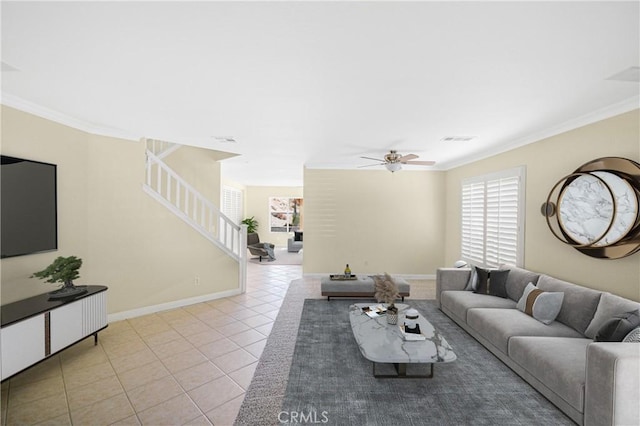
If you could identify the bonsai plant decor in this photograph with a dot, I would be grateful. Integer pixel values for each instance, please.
(63, 270)
(387, 292)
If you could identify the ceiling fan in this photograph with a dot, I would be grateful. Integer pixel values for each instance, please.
(393, 161)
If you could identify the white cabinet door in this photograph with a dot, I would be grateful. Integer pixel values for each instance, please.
(22, 345)
(66, 326)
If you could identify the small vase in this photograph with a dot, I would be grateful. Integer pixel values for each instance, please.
(392, 315)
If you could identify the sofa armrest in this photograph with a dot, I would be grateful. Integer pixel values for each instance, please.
(451, 279)
(612, 387)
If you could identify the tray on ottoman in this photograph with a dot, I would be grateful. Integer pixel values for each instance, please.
(362, 286)
(342, 277)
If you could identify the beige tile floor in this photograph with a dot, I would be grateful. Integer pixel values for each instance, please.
(187, 366)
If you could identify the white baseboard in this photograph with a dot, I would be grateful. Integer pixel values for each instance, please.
(405, 276)
(118, 316)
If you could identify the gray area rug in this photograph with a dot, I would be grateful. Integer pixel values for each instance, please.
(330, 379)
(263, 400)
(326, 379)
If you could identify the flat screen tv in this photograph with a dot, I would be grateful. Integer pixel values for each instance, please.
(28, 207)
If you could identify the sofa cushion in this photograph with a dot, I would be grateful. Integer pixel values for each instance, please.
(542, 305)
(499, 325)
(579, 304)
(517, 280)
(557, 362)
(459, 302)
(617, 328)
(609, 306)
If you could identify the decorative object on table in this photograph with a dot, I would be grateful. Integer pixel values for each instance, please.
(409, 336)
(252, 224)
(460, 264)
(342, 277)
(63, 270)
(596, 209)
(374, 311)
(387, 292)
(411, 321)
(347, 271)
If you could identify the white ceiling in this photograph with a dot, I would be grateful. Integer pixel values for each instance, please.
(319, 84)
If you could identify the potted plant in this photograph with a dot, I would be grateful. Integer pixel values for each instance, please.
(252, 224)
(387, 292)
(63, 270)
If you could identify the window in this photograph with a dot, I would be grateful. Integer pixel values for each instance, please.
(493, 218)
(285, 214)
(232, 204)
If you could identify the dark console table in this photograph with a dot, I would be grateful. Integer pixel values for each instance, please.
(36, 328)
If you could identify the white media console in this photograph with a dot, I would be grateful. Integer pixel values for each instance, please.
(33, 329)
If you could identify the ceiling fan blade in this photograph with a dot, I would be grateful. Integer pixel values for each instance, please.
(407, 157)
(374, 159)
(371, 165)
(420, 163)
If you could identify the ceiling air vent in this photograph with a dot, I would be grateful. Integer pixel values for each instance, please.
(224, 139)
(457, 138)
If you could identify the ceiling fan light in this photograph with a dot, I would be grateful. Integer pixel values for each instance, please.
(393, 167)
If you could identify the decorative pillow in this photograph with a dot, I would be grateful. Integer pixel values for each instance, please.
(542, 305)
(483, 280)
(498, 282)
(633, 336)
(609, 306)
(617, 328)
(472, 284)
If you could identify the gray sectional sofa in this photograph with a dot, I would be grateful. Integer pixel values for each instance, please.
(594, 383)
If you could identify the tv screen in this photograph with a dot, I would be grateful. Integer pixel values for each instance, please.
(28, 207)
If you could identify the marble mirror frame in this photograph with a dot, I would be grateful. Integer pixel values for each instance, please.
(598, 208)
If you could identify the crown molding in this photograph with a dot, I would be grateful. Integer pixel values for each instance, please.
(60, 118)
(618, 108)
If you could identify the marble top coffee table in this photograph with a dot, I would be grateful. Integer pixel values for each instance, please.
(383, 343)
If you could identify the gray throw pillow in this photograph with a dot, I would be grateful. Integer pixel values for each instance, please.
(541, 305)
(498, 282)
(483, 280)
(617, 328)
(633, 336)
(472, 284)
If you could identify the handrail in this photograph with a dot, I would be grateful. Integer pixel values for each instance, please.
(160, 148)
(169, 188)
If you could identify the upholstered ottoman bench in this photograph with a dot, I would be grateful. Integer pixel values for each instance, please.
(362, 286)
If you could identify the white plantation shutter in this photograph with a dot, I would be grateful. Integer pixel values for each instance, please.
(473, 222)
(493, 219)
(232, 204)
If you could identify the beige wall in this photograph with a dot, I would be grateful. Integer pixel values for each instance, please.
(36, 139)
(546, 162)
(128, 242)
(257, 205)
(374, 220)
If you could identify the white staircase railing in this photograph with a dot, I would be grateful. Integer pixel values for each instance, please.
(171, 190)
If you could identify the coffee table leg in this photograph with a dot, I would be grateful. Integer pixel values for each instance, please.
(401, 369)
